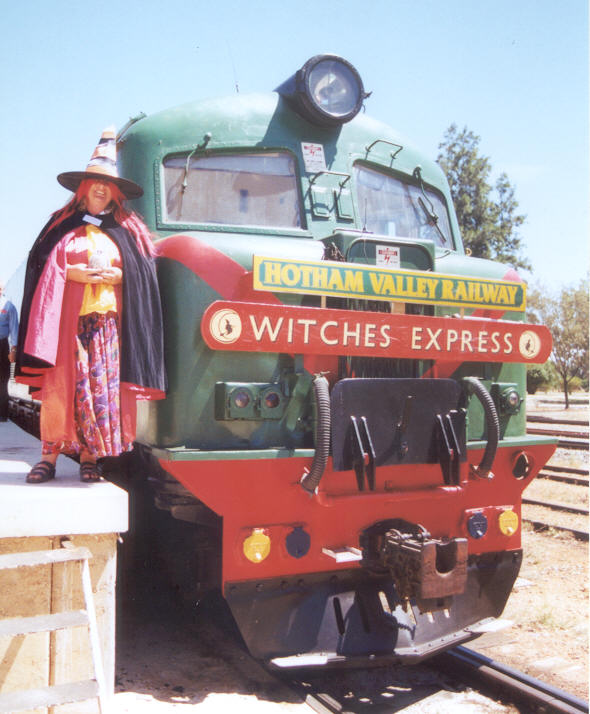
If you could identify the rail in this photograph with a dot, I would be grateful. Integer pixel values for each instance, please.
(518, 686)
(542, 526)
(564, 477)
(553, 420)
(556, 506)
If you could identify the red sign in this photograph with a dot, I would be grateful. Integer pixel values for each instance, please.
(258, 327)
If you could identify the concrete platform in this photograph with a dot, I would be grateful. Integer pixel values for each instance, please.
(58, 507)
(40, 517)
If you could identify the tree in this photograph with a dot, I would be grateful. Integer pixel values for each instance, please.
(487, 216)
(566, 316)
(538, 375)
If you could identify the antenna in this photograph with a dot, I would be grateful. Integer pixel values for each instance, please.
(233, 67)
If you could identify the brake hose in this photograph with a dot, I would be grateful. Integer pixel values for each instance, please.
(474, 386)
(311, 479)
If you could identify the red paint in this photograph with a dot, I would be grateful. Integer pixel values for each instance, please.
(266, 493)
(217, 269)
(229, 279)
(256, 327)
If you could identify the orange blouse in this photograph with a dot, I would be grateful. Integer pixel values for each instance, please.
(101, 253)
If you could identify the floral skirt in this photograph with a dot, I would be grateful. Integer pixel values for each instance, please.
(97, 394)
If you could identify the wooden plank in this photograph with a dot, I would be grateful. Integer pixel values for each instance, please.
(48, 696)
(42, 623)
(94, 637)
(43, 557)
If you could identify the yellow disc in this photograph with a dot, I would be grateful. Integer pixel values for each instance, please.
(508, 522)
(257, 546)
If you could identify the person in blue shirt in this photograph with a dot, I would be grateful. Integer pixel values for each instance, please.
(8, 337)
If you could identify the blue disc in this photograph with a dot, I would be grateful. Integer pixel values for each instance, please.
(298, 542)
(477, 525)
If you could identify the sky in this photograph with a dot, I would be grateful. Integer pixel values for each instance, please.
(515, 72)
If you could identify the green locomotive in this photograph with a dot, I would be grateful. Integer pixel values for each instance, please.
(344, 433)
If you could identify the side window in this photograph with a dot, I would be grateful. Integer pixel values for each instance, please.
(392, 207)
(232, 189)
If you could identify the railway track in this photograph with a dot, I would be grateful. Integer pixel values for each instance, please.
(560, 427)
(556, 506)
(565, 474)
(566, 470)
(552, 420)
(385, 692)
(516, 686)
(206, 657)
(565, 439)
(558, 432)
(543, 526)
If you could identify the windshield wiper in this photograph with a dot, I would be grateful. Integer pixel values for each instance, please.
(431, 215)
(428, 211)
(199, 147)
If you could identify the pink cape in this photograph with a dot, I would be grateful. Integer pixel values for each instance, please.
(51, 336)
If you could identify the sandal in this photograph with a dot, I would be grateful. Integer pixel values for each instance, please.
(41, 472)
(89, 472)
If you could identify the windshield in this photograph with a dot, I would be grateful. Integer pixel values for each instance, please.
(391, 207)
(234, 189)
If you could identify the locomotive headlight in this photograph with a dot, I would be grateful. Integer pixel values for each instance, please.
(327, 91)
(334, 87)
(241, 398)
(271, 403)
(272, 400)
(511, 401)
(250, 400)
(506, 397)
(241, 402)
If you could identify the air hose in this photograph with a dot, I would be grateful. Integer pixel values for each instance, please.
(311, 479)
(474, 386)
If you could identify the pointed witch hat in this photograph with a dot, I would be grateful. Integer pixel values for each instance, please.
(103, 164)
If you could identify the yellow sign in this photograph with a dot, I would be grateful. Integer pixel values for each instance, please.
(368, 282)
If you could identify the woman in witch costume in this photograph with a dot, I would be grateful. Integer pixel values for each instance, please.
(90, 337)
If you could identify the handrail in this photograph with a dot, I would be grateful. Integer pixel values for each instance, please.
(393, 154)
(325, 172)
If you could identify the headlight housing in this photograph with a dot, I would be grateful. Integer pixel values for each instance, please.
(327, 91)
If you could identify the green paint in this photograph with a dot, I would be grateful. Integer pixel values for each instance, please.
(246, 123)
(253, 454)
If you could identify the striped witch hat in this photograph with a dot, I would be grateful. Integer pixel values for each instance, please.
(103, 164)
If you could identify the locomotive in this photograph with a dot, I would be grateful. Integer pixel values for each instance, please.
(343, 442)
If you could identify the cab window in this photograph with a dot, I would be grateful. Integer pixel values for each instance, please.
(392, 207)
(232, 189)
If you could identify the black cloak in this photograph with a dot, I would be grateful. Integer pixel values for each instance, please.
(142, 337)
